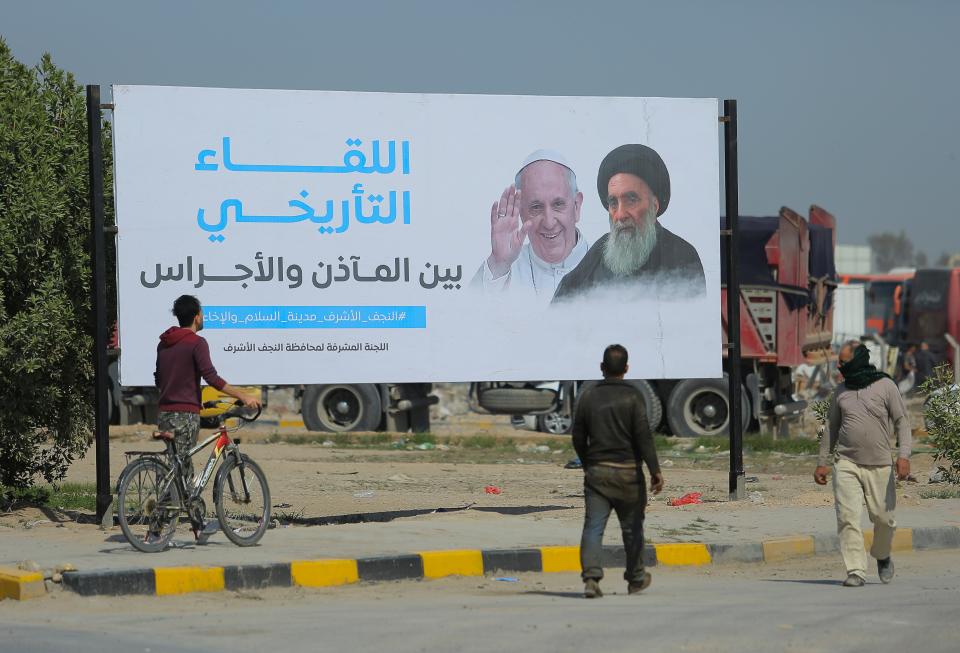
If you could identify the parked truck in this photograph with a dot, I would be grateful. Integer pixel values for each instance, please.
(928, 311)
(787, 278)
(337, 407)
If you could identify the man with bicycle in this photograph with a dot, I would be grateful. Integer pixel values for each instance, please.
(183, 357)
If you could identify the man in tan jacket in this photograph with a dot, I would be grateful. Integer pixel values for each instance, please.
(866, 411)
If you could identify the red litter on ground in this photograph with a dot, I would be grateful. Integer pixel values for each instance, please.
(687, 499)
(492, 489)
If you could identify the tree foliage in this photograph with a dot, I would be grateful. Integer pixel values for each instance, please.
(891, 250)
(46, 366)
(941, 415)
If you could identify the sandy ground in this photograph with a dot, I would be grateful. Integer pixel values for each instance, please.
(317, 480)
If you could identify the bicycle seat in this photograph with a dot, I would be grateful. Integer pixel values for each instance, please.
(163, 435)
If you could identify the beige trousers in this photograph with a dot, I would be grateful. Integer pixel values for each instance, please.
(854, 485)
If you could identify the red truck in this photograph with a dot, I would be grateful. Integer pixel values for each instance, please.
(787, 275)
(929, 311)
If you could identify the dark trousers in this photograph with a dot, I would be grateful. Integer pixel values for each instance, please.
(623, 490)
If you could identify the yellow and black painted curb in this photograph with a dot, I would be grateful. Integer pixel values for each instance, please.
(21, 585)
(438, 564)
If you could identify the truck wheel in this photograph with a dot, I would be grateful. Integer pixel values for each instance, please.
(555, 423)
(650, 398)
(516, 401)
(340, 407)
(700, 407)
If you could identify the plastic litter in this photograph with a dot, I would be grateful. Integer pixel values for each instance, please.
(939, 475)
(687, 499)
(426, 446)
(366, 494)
(543, 449)
(492, 489)
(751, 479)
(666, 463)
(507, 579)
(574, 464)
(755, 497)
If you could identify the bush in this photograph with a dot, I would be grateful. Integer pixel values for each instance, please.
(46, 367)
(941, 414)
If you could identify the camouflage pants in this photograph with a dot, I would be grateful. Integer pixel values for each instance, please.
(186, 427)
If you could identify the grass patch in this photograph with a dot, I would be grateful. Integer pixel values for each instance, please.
(67, 496)
(751, 443)
(941, 493)
(485, 442)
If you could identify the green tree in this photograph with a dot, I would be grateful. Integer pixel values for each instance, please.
(941, 417)
(891, 250)
(46, 367)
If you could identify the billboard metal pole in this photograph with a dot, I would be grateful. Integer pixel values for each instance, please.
(737, 479)
(98, 292)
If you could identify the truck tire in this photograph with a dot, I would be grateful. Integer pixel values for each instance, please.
(700, 407)
(341, 407)
(555, 423)
(517, 401)
(650, 398)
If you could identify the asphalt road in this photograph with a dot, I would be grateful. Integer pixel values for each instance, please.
(797, 606)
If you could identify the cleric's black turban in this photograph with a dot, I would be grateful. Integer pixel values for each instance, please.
(639, 160)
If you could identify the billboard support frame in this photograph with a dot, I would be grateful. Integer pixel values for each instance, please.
(734, 375)
(98, 297)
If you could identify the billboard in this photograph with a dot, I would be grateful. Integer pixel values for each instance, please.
(380, 237)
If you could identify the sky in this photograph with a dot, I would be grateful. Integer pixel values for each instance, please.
(850, 105)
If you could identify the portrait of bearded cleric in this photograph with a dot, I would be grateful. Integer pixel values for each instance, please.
(638, 256)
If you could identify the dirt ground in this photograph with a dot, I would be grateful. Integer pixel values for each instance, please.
(316, 480)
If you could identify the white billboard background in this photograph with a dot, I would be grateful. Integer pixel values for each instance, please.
(463, 151)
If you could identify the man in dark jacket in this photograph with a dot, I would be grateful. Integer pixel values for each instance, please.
(639, 256)
(183, 358)
(612, 437)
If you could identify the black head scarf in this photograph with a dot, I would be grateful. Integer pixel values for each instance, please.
(859, 372)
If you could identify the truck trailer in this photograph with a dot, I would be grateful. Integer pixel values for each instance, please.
(787, 282)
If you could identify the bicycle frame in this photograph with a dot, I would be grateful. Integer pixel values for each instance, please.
(223, 445)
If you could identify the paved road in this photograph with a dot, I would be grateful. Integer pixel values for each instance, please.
(796, 606)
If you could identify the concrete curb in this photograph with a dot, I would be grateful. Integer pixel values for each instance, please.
(20, 585)
(438, 564)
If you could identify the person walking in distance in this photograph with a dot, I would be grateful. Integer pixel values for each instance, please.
(866, 410)
(612, 437)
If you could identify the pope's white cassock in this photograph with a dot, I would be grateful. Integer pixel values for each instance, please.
(531, 278)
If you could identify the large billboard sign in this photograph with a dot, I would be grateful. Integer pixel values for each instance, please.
(378, 237)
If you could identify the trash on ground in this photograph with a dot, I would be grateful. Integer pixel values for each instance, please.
(574, 464)
(543, 449)
(426, 446)
(366, 494)
(327, 443)
(687, 499)
(777, 477)
(751, 479)
(400, 478)
(282, 505)
(507, 579)
(755, 497)
(939, 475)
(492, 489)
(666, 463)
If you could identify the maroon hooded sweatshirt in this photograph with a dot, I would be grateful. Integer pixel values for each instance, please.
(182, 358)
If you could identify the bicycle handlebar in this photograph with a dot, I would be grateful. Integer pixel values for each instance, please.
(236, 409)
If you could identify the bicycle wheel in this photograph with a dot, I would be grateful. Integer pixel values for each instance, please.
(242, 500)
(148, 505)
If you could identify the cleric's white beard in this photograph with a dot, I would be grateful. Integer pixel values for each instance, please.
(626, 251)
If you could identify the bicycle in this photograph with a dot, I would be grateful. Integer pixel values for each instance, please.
(151, 489)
